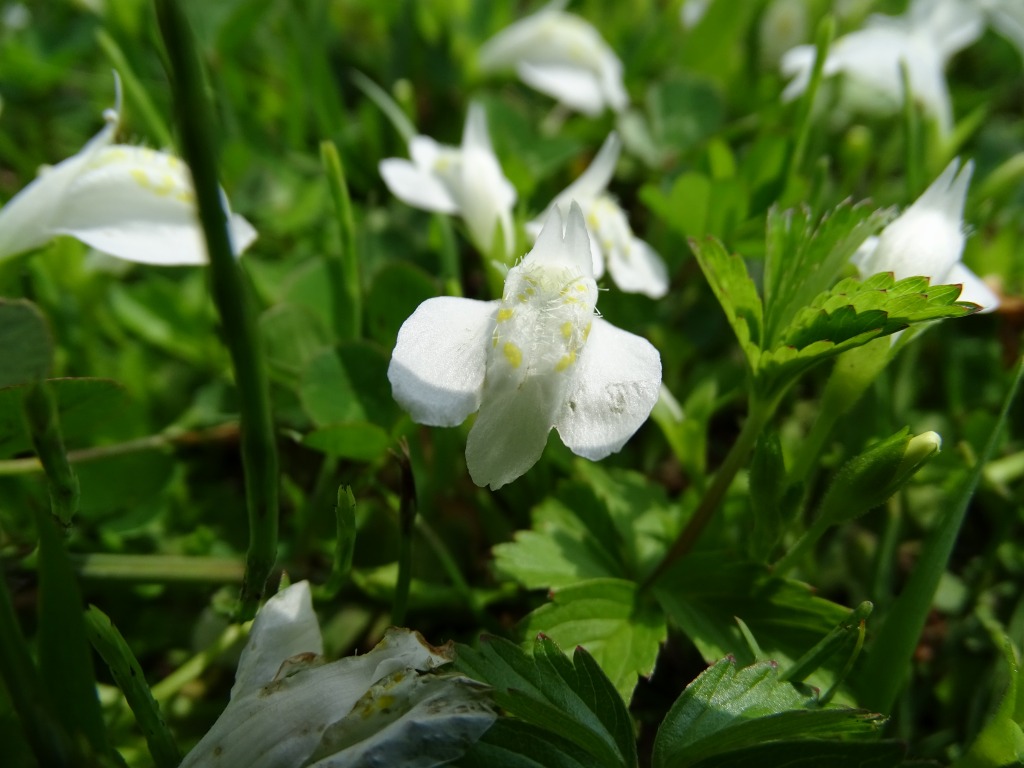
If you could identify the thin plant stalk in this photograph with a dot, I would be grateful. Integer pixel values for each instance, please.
(233, 302)
(343, 266)
(44, 427)
(112, 648)
(406, 521)
(159, 569)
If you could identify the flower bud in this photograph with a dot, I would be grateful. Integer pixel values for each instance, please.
(868, 480)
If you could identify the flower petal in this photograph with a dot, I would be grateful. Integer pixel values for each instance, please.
(593, 181)
(639, 269)
(974, 290)
(576, 87)
(281, 723)
(138, 204)
(417, 187)
(413, 721)
(615, 386)
(570, 248)
(437, 368)
(285, 626)
(512, 427)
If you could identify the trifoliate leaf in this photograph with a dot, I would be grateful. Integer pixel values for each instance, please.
(608, 617)
(25, 341)
(572, 700)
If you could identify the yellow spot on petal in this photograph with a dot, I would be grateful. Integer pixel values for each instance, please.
(586, 331)
(565, 362)
(513, 354)
(566, 329)
(505, 314)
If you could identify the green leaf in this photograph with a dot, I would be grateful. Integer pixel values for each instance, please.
(356, 440)
(617, 626)
(772, 502)
(785, 616)
(804, 256)
(292, 337)
(735, 291)
(344, 385)
(613, 523)
(111, 646)
(728, 707)
(65, 659)
(515, 744)
(1001, 741)
(811, 753)
(571, 699)
(25, 341)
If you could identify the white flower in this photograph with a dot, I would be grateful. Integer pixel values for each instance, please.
(634, 265)
(869, 59)
(289, 709)
(561, 55)
(464, 180)
(927, 239)
(536, 360)
(692, 12)
(130, 202)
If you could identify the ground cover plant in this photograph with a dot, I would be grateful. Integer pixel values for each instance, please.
(468, 383)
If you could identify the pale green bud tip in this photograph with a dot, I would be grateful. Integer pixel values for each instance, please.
(919, 450)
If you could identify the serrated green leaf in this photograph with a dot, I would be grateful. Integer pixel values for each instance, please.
(728, 277)
(804, 256)
(515, 744)
(728, 707)
(812, 754)
(704, 591)
(608, 617)
(571, 699)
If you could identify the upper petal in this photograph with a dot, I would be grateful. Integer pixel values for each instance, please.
(593, 181)
(437, 367)
(576, 87)
(974, 290)
(138, 204)
(615, 386)
(570, 247)
(284, 627)
(416, 186)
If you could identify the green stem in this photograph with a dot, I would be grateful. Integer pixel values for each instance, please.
(158, 569)
(343, 267)
(44, 426)
(259, 449)
(826, 31)
(759, 415)
(170, 437)
(112, 648)
(133, 89)
(172, 685)
(809, 537)
(345, 523)
(48, 741)
(450, 258)
(406, 520)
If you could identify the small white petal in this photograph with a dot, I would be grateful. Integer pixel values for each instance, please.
(573, 86)
(285, 626)
(614, 389)
(474, 133)
(569, 247)
(416, 186)
(639, 269)
(975, 290)
(484, 195)
(437, 367)
(594, 181)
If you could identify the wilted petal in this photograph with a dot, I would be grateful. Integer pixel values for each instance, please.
(437, 367)
(638, 269)
(614, 388)
(280, 724)
(416, 186)
(285, 626)
(408, 720)
(975, 290)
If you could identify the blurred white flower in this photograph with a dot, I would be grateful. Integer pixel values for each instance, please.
(927, 239)
(924, 38)
(561, 55)
(465, 180)
(784, 25)
(289, 709)
(1006, 17)
(130, 202)
(538, 359)
(633, 264)
(692, 11)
